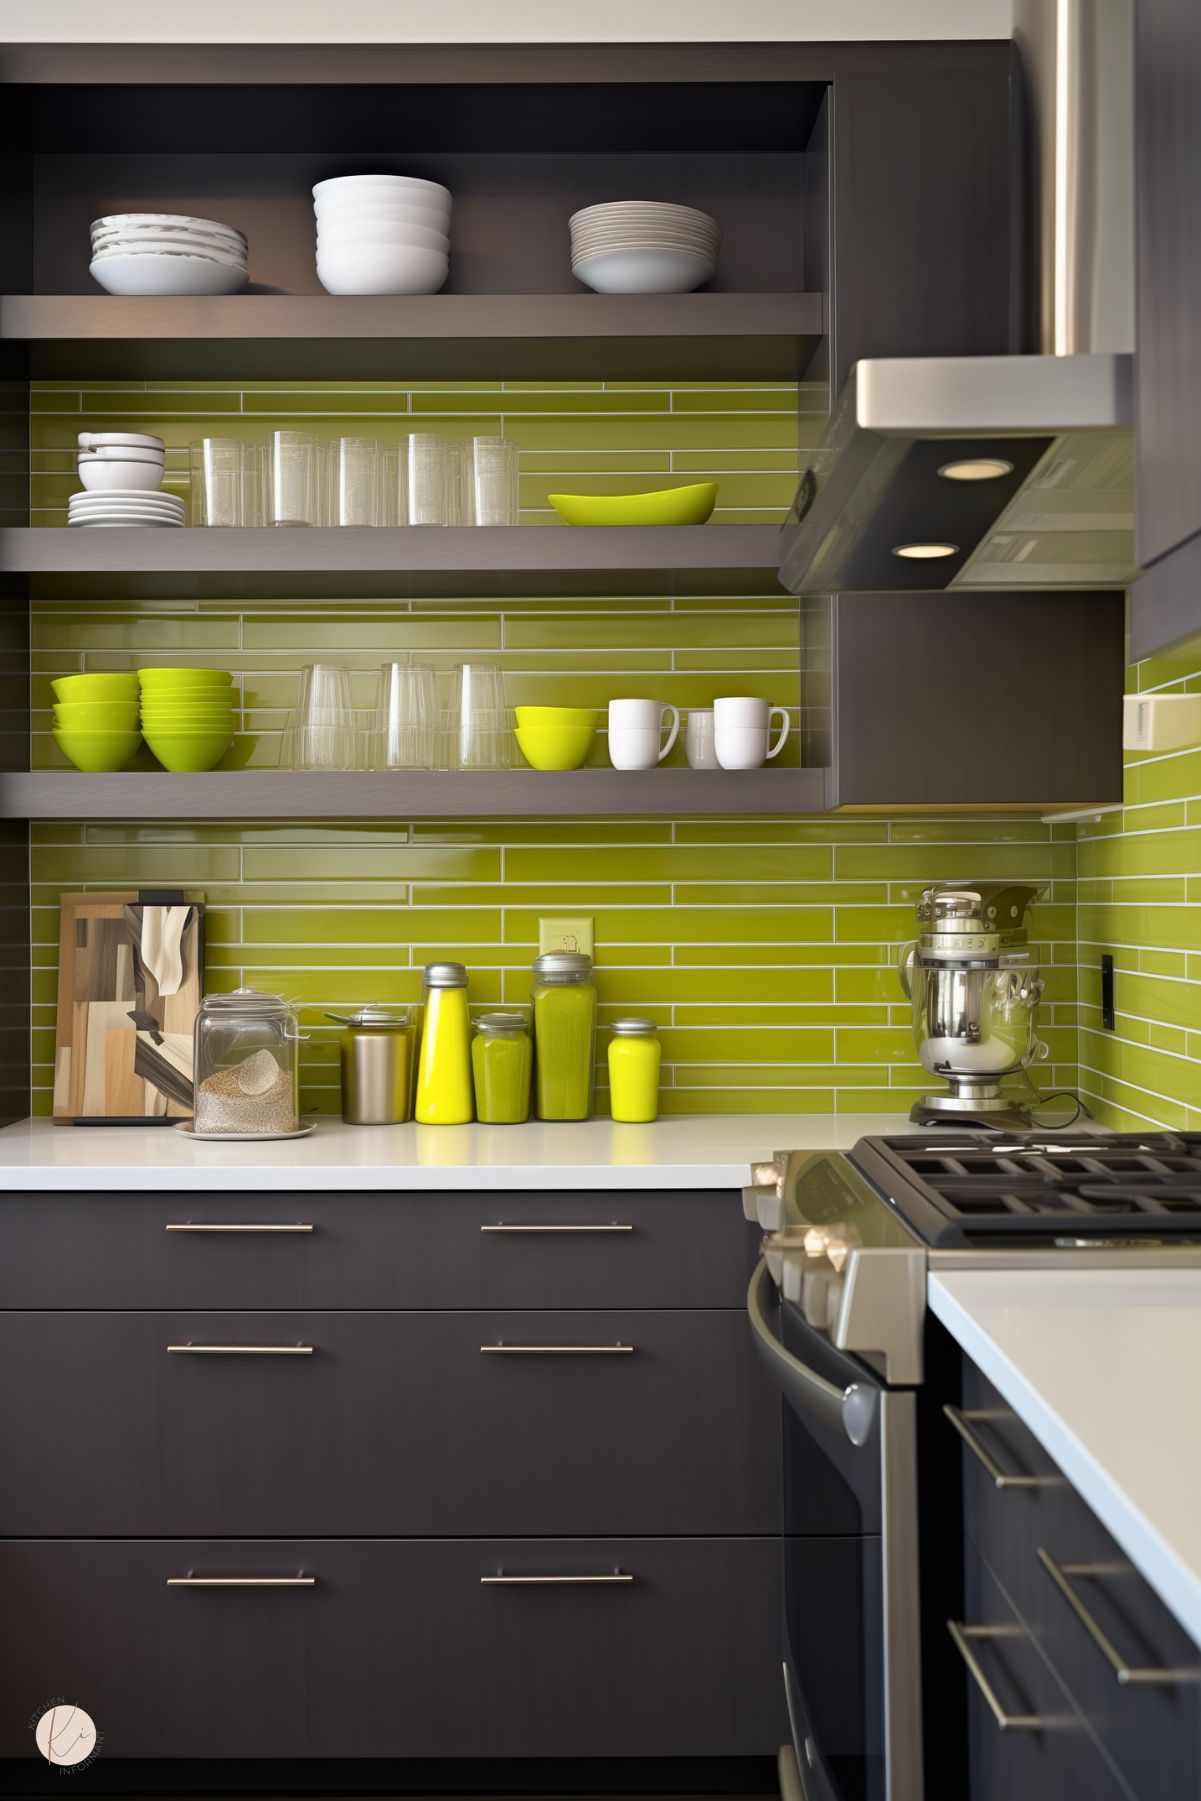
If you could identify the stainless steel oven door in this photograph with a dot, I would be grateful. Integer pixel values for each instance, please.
(852, 1623)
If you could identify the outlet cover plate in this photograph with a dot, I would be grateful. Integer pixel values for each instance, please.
(565, 932)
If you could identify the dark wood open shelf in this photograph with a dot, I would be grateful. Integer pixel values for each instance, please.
(431, 561)
(514, 793)
(680, 337)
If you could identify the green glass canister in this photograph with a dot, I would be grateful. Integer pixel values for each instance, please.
(564, 1002)
(502, 1063)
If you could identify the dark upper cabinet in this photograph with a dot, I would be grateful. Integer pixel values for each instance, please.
(1166, 603)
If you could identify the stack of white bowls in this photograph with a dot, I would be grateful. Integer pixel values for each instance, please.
(643, 247)
(382, 234)
(121, 473)
(167, 253)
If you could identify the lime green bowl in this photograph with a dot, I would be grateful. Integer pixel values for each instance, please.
(555, 748)
(557, 718)
(97, 752)
(78, 716)
(185, 678)
(187, 753)
(666, 506)
(96, 689)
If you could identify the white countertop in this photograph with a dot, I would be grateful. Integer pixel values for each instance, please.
(1102, 1368)
(696, 1151)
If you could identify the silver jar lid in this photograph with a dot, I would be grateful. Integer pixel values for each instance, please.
(245, 1000)
(563, 964)
(380, 1019)
(445, 975)
(633, 1028)
(501, 1022)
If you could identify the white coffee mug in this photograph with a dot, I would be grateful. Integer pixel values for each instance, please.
(699, 742)
(635, 730)
(742, 728)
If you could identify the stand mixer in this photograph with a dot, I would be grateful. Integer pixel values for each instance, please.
(974, 986)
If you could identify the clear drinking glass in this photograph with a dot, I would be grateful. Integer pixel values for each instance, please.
(324, 734)
(217, 476)
(391, 473)
(403, 729)
(495, 471)
(461, 509)
(477, 720)
(352, 482)
(428, 487)
(254, 484)
(291, 484)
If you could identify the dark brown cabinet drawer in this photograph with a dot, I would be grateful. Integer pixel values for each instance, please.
(1041, 1748)
(399, 1649)
(391, 1250)
(385, 1424)
(1151, 1727)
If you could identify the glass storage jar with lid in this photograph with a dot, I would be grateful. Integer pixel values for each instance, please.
(634, 1070)
(247, 1068)
(502, 1059)
(564, 1000)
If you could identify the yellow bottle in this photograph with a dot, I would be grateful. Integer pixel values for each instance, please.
(634, 1071)
(444, 1093)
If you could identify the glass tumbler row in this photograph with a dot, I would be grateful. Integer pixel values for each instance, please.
(412, 725)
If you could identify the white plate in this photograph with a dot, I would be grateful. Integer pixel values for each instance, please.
(616, 211)
(240, 1137)
(154, 501)
(175, 252)
(117, 220)
(166, 275)
(151, 525)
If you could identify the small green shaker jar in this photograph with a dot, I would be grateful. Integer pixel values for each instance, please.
(564, 999)
(502, 1062)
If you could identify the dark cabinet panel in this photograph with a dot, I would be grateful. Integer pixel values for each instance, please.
(914, 672)
(1168, 190)
(400, 1649)
(392, 1424)
(684, 1248)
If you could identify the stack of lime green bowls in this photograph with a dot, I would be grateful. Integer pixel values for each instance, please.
(187, 716)
(96, 720)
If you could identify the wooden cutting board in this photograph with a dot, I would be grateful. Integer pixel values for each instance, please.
(123, 1043)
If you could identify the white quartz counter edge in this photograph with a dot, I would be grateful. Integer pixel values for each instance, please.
(1101, 1366)
(713, 1151)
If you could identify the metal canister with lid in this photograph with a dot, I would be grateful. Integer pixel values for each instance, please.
(634, 1071)
(376, 1054)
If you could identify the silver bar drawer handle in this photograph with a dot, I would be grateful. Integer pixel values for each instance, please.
(556, 1350)
(240, 1350)
(963, 1422)
(963, 1636)
(502, 1225)
(1147, 1676)
(501, 1580)
(190, 1581)
(197, 1225)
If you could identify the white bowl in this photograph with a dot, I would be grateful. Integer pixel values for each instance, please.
(382, 269)
(435, 218)
(121, 453)
(378, 187)
(163, 275)
(104, 440)
(98, 475)
(644, 272)
(347, 237)
(119, 220)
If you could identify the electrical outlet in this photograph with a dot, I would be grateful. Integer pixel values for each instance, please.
(1161, 721)
(562, 933)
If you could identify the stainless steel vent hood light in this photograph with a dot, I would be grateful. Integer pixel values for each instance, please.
(1010, 471)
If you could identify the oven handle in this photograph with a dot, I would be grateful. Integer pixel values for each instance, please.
(851, 1410)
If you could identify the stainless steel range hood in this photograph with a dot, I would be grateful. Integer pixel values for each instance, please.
(1048, 437)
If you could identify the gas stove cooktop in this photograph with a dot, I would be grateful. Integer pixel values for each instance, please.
(966, 1188)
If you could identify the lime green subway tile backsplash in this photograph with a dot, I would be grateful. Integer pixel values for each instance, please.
(1140, 900)
(770, 975)
(590, 437)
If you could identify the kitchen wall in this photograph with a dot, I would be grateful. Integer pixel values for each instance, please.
(1140, 899)
(766, 949)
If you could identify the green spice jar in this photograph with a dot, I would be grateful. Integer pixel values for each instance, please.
(502, 1062)
(564, 1000)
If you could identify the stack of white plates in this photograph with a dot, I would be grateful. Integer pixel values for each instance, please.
(125, 506)
(382, 234)
(167, 253)
(643, 247)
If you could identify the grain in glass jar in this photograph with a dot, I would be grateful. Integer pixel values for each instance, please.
(246, 1067)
